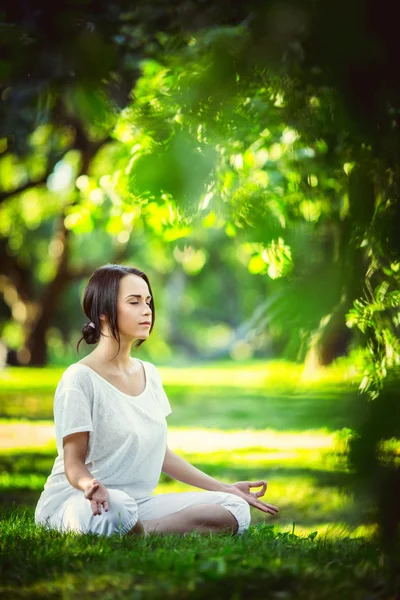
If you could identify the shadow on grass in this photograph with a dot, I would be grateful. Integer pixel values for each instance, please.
(262, 561)
(306, 495)
(229, 408)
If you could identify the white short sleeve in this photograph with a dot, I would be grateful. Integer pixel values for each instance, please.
(72, 413)
(161, 395)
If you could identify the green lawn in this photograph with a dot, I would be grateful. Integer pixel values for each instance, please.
(255, 421)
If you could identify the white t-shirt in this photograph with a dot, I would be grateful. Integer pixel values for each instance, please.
(127, 439)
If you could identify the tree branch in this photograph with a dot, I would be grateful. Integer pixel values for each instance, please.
(26, 186)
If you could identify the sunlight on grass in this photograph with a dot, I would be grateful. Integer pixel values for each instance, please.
(15, 379)
(19, 433)
(276, 374)
(291, 463)
(28, 481)
(257, 374)
(274, 423)
(331, 531)
(299, 499)
(204, 440)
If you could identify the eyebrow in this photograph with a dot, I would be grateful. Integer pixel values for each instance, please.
(137, 296)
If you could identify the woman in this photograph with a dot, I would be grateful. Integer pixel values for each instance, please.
(111, 433)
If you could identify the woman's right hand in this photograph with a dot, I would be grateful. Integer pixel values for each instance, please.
(97, 494)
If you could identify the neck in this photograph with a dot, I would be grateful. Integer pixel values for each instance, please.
(106, 354)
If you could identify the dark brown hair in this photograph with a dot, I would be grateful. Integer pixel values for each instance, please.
(100, 298)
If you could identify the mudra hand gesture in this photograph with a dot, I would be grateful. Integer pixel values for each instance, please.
(242, 489)
(98, 496)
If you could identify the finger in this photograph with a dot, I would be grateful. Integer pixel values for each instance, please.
(105, 506)
(263, 508)
(263, 490)
(267, 510)
(270, 508)
(257, 484)
(95, 492)
(89, 493)
(94, 507)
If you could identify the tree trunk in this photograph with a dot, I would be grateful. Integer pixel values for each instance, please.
(329, 341)
(332, 338)
(36, 346)
(34, 351)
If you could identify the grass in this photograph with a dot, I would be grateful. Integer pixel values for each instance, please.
(257, 421)
(263, 563)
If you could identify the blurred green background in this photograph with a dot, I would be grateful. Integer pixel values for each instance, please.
(246, 158)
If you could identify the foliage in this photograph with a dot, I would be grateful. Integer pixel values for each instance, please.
(193, 104)
(215, 131)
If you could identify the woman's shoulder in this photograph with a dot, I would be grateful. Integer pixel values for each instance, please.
(151, 370)
(146, 363)
(154, 372)
(76, 377)
(150, 367)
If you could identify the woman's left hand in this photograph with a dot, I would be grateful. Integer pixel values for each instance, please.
(242, 489)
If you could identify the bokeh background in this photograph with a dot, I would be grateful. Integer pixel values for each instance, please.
(246, 157)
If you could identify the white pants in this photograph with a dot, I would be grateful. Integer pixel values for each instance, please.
(75, 514)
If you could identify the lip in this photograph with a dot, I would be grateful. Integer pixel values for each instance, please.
(147, 324)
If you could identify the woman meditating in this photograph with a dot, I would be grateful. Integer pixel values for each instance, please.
(111, 433)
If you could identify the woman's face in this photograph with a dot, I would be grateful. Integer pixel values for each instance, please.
(133, 307)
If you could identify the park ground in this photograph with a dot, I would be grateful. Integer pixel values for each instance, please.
(260, 420)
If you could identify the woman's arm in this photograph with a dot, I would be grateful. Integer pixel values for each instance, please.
(75, 450)
(176, 467)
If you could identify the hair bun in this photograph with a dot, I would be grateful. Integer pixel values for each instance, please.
(89, 333)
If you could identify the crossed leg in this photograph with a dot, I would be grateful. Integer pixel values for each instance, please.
(203, 512)
(203, 518)
(180, 513)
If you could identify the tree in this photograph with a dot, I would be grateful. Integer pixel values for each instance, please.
(67, 72)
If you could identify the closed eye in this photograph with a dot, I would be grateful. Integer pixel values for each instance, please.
(148, 303)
